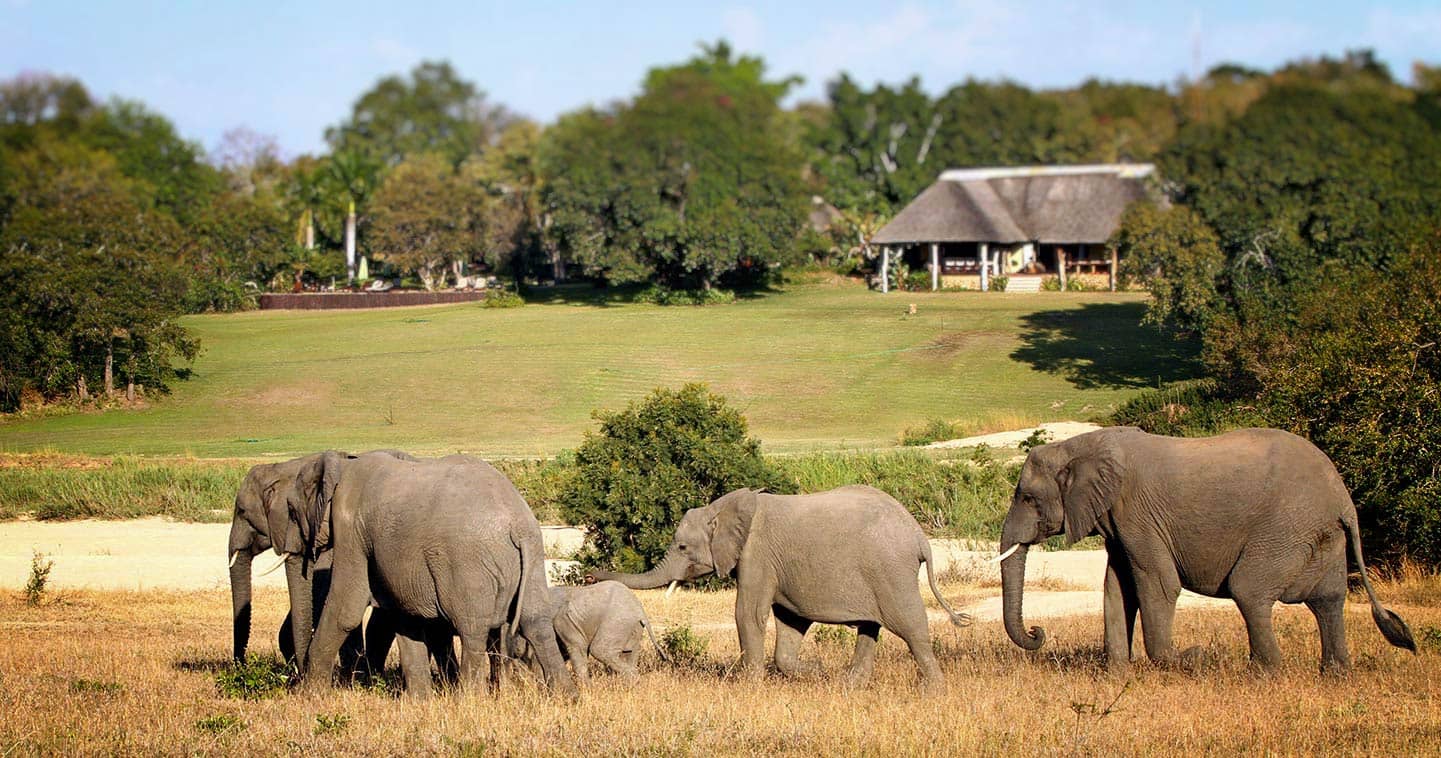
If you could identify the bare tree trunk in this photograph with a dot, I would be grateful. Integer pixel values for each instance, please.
(130, 389)
(309, 229)
(81, 389)
(109, 370)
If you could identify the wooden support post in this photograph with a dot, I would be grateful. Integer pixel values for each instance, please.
(1061, 266)
(935, 266)
(985, 267)
(885, 269)
(1115, 274)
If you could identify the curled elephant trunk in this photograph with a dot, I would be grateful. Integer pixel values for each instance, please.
(1013, 580)
(671, 569)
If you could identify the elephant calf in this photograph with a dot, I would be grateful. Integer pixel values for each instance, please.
(602, 621)
(846, 556)
(1256, 515)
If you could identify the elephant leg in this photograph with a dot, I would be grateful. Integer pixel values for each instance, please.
(539, 632)
(790, 632)
(344, 611)
(1156, 597)
(753, 609)
(1265, 651)
(379, 636)
(903, 612)
(495, 657)
(414, 659)
(1330, 613)
(575, 649)
(863, 661)
(353, 662)
(440, 643)
(287, 641)
(1121, 606)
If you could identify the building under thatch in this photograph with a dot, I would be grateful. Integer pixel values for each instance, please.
(1023, 223)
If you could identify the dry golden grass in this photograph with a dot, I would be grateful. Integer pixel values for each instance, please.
(121, 673)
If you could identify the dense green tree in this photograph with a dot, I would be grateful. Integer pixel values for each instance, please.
(427, 218)
(147, 148)
(692, 182)
(91, 291)
(433, 110)
(1176, 256)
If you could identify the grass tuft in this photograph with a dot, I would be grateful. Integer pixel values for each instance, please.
(255, 678)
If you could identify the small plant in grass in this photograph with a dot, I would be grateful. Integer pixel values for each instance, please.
(832, 634)
(255, 678)
(502, 299)
(39, 576)
(934, 430)
(331, 723)
(1037, 438)
(93, 687)
(684, 647)
(220, 724)
(1430, 637)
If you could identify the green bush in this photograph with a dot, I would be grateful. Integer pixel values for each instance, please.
(542, 482)
(998, 283)
(917, 281)
(647, 465)
(220, 723)
(1192, 408)
(39, 576)
(657, 295)
(255, 678)
(683, 647)
(932, 431)
(502, 298)
(1050, 284)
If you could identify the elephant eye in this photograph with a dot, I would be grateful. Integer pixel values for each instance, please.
(681, 547)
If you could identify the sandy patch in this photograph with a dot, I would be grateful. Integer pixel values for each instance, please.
(1059, 430)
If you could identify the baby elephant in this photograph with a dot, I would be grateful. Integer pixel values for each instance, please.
(603, 621)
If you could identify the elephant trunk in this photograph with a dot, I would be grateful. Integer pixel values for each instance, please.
(670, 569)
(1013, 580)
(241, 537)
(302, 620)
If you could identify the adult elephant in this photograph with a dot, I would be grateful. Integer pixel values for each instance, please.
(1256, 515)
(307, 583)
(845, 556)
(439, 540)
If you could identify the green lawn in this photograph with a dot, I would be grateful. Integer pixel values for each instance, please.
(813, 367)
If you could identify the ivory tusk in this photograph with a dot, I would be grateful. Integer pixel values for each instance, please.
(277, 565)
(235, 556)
(1006, 554)
(670, 589)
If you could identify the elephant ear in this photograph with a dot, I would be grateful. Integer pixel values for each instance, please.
(1089, 486)
(315, 486)
(729, 527)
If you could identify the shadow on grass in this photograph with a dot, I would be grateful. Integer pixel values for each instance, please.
(595, 296)
(1104, 345)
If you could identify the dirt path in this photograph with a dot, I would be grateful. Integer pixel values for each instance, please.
(148, 554)
(1059, 430)
(154, 553)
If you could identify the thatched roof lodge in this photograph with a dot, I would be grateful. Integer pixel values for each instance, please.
(1021, 222)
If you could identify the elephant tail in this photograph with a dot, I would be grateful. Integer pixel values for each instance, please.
(959, 619)
(1392, 627)
(650, 632)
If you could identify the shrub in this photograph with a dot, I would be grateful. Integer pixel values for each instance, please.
(917, 281)
(998, 283)
(657, 295)
(1036, 438)
(331, 723)
(220, 723)
(683, 647)
(255, 678)
(835, 634)
(39, 576)
(932, 431)
(647, 465)
(1186, 409)
(502, 298)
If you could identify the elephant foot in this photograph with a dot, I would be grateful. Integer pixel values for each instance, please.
(1118, 667)
(933, 685)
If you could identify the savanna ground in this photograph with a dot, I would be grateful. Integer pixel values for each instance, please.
(136, 674)
(815, 366)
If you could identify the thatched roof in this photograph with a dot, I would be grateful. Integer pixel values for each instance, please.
(1049, 204)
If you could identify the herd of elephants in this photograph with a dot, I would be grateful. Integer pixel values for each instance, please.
(445, 548)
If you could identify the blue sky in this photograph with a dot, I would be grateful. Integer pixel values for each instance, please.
(291, 69)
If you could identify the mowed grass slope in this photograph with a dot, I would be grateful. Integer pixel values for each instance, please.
(816, 366)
